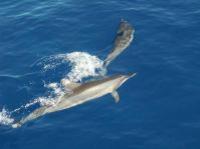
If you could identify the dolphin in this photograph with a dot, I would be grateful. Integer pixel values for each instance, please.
(124, 37)
(81, 93)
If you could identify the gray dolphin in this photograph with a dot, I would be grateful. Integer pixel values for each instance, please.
(81, 93)
(125, 35)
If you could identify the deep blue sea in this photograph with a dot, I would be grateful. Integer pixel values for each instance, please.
(159, 107)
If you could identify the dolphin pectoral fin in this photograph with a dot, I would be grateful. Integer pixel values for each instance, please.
(115, 96)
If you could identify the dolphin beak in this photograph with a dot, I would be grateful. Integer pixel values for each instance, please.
(130, 75)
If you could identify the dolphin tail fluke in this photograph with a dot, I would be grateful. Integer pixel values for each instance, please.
(35, 114)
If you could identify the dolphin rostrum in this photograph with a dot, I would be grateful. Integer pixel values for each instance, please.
(81, 93)
(125, 35)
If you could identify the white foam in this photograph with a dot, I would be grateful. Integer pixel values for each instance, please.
(56, 92)
(83, 65)
(5, 117)
(52, 99)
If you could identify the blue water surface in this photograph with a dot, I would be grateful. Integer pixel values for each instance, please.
(159, 108)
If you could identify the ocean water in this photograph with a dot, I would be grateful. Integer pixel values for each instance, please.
(43, 42)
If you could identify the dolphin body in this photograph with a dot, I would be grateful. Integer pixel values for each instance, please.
(81, 93)
(125, 35)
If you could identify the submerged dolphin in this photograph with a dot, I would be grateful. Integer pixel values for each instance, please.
(125, 35)
(81, 93)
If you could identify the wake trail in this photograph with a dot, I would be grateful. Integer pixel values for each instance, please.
(82, 65)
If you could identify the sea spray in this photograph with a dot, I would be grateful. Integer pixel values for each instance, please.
(83, 65)
(5, 117)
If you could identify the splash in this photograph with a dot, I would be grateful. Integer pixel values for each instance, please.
(5, 117)
(82, 65)
(56, 91)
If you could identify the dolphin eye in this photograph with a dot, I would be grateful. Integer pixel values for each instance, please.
(120, 33)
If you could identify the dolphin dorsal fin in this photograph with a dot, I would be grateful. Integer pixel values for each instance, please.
(115, 96)
(69, 84)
